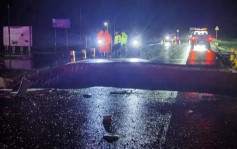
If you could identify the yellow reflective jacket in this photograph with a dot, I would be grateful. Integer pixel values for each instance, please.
(117, 39)
(124, 39)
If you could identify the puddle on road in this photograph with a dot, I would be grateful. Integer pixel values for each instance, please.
(29, 62)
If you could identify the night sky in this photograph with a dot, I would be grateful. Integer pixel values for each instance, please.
(152, 18)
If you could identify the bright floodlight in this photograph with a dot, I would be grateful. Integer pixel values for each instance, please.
(167, 37)
(106, 24)
(135, 43)
(100, 42)
(134, 60)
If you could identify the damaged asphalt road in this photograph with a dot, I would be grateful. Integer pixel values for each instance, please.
(51, 118)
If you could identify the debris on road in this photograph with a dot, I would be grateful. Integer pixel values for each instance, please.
(110, 138)
(189, 112)
(25, 84)
(87, 95)
(107, 122)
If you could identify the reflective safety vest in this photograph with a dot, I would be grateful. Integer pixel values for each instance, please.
(124, 39)
(117, 39)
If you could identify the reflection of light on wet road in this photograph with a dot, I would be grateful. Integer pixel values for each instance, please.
(142, 121)
(24, 64)
(134, 60)
(200, 48)
(100, 60)
(195, 97)
(112, 60)
(167, 45)
(94, 61)
(207, 57)
(136, 116)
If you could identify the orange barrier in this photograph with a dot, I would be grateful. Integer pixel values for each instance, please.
(84, 54)
(93, 52)
(72, 53)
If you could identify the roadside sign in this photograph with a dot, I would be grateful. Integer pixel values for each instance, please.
(61, 23)
(20, 36)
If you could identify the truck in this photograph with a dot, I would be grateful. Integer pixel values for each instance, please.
(200, 36)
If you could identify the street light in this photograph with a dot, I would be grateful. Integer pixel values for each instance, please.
(106, 24)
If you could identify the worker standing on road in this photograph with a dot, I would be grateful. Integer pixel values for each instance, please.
(107, 43)
(100, 42)
(104, 43)
(117, 44)
(124, 39)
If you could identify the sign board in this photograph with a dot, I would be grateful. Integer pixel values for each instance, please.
(217, 28)
(61, 23)
(19, 36)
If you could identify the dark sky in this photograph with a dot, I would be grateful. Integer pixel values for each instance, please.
(150, 17)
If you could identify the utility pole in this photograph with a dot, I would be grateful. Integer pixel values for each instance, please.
(80, 25)
(9, 34)
(55, 40)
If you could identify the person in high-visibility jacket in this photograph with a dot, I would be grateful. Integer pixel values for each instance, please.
(100, 41)
(117, 44)
(104, 42)
(124, 41)
(117, 38)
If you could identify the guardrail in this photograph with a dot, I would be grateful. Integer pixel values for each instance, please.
(228, 57)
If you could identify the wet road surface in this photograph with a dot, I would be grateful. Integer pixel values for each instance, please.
(155, 53)
(183, 55)
(174, 54)
(141, 118)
